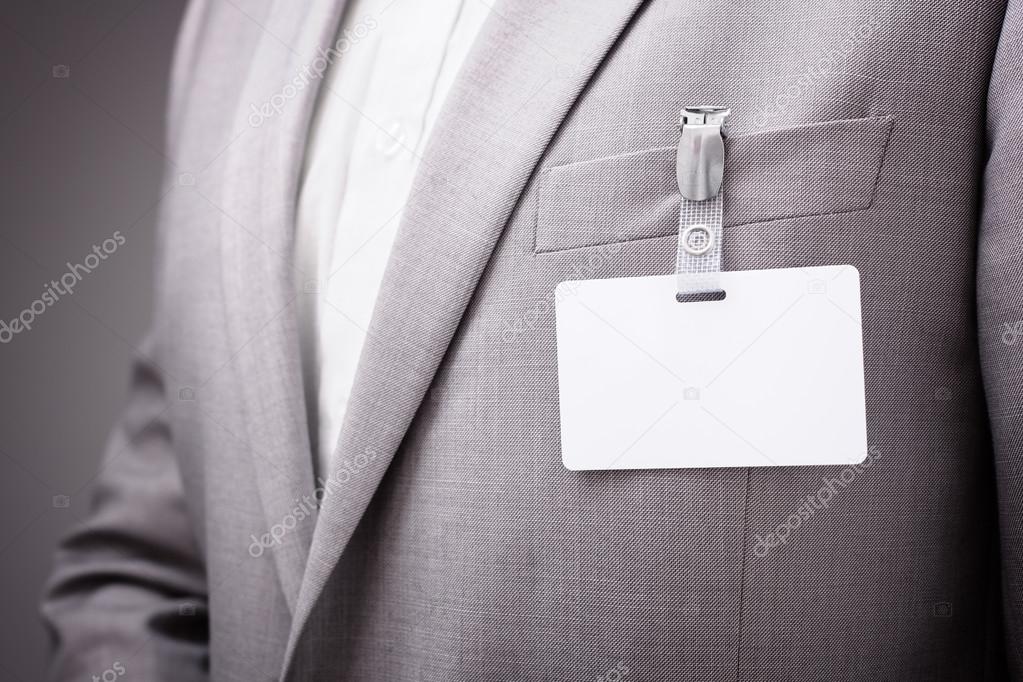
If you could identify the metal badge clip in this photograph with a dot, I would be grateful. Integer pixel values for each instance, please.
(701, 151)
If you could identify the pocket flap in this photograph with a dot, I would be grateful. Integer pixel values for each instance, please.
(807, 170)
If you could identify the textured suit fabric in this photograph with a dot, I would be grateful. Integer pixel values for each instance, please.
(451, 544)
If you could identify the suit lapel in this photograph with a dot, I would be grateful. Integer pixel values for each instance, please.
(257, 232)
(528, 66)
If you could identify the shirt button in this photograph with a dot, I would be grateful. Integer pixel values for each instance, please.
(391, 140)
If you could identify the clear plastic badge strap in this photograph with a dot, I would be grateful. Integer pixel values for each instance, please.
(700, 167)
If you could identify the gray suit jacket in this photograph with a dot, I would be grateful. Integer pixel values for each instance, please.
(451, 543)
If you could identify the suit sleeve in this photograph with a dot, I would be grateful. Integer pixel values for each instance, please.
(1000, 313)
(128, 594)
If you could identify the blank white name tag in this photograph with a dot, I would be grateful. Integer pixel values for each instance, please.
(770, 376)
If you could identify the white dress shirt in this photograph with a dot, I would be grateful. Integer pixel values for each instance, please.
(376, 108)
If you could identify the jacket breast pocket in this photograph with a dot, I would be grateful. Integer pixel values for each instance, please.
(807, 170)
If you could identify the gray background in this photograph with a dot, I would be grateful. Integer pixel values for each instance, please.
(82, 157)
